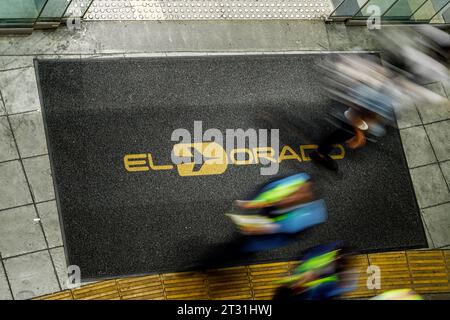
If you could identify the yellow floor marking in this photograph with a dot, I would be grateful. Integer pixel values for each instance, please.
(425, 271)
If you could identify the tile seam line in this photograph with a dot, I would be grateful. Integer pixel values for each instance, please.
(34, 202)
(435, 155)
(35, 156)
(411, 184)
(435, 205)
(23, 112)
(25, 158)
(7, 161)
(14, 69)
(6, 277)
(427, 233)
(15, 144)
(26, 204)
(424, 124)
(447, 182)
(431, 144)
(423, 165)
(27, 253)
(440, 170)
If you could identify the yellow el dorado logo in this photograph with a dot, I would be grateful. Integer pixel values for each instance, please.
(216, 160)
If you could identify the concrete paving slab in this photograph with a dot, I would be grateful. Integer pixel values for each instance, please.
(40, 179)
(2, 107)
(5, 292)
(439, 134)
(8, 150)
(427, 233)
(14, 189)
(432, 113)
(20, 231)
(59, 260)
(28, 129)
(437, 220)
(162, 36)
(48, 213)
(337, 36)
(408, 117)
(445, 167)
(417, 147)
(31, 275)
(429, 185)
(15, 62)
(19, 90)
(360, 38)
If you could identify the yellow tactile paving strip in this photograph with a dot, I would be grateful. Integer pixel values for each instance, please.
(424, 271)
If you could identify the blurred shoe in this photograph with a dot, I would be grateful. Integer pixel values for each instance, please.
(324, 160)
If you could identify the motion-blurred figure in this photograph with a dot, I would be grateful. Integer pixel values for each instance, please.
(323, 273)
(362, 107)
(368, 92)
(279, 209)
(418, 53)
(399, 294)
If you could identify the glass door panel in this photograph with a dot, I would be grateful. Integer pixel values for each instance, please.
(20, 14)
(348, 8)
(403, 9)
(53, 12)
(429, 10)
(380, 5)
(443, 16)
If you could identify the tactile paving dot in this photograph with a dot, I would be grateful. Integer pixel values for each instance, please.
(206, 9)
(77, 8)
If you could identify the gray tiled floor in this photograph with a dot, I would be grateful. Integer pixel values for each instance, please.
(13, 187)
(31, 275)
(40, 177)
(20, 232)
(2, 108)
(437, 220)
(15, 62)
(427, 232)
(29, 132)
(434, 113)
(32, 250)
(429, 185)
(417, 147)
(445, 166)
(408, 118)
(439, 133)
(7, 146)
(59, 260)
(48, 213)
(19, 90)
(5, 293)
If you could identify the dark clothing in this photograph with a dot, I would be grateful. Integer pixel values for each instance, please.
(339, 136)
